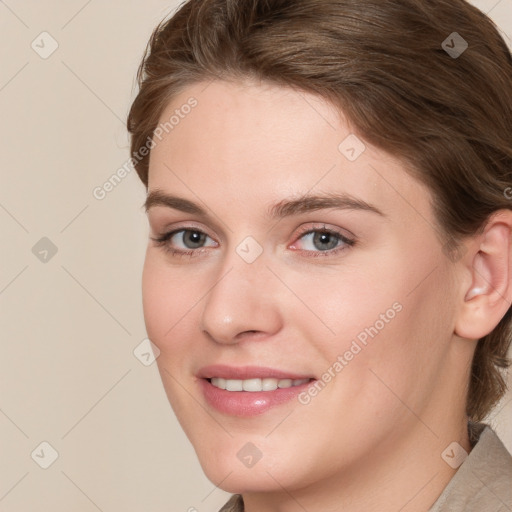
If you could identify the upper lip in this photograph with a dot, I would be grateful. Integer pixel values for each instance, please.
(247, 372)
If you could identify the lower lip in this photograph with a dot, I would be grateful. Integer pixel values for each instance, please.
(248, 403)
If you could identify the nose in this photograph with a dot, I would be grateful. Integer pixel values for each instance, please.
(242, 303)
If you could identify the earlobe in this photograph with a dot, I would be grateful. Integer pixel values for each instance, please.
(489, 295)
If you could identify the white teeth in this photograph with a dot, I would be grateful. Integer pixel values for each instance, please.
(269, 384)
(221, 383)
(234, 385)
(285, 383)
(266, 384)
(251, 384)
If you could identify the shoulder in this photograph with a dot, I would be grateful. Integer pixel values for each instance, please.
(234, 504)
(483, 480)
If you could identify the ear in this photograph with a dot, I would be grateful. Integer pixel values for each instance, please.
(489, 262)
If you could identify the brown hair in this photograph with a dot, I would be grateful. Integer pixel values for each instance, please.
(395, 69)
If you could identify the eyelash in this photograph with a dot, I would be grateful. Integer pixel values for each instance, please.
(162, 241)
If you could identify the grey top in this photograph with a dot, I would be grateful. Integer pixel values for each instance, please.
(483, 482)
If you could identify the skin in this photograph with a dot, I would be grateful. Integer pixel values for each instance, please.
(372, 439)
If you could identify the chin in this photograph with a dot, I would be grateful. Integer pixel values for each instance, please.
(237, 466)
(244, 480)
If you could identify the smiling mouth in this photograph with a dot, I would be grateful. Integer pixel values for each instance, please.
(256, 384)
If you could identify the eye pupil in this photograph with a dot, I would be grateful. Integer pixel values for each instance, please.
(193, 239)
(327, 239)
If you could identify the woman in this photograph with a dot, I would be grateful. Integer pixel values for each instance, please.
(328, 275)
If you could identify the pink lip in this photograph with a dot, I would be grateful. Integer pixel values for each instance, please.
(247, 403)
(246, 372)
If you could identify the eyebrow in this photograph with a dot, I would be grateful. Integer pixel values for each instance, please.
(285, 208)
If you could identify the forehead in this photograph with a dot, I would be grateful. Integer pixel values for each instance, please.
(269, 141)
(249, 124)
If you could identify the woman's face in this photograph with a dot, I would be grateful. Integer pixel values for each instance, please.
(303, 258)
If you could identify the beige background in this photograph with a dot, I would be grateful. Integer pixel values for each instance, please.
(68, 374)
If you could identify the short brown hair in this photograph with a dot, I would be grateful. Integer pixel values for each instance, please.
(387, 65)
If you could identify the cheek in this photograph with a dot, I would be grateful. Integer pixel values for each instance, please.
(169, 298)
(402, 361)
(343, 304)
(155, 300)
(168, 306)
(386, 322)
